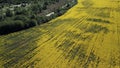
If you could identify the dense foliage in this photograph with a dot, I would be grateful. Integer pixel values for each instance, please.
(25, 1)
(26, 16)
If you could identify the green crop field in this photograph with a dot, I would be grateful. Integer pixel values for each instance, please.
(86, 36)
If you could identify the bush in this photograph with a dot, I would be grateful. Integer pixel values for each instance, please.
(41, 20)
(45, 3)
(32, 23)
(9, 13)
(1, 17)
(21, 17)
(57, 0)
(21, 11)
(33, 16)
(60, 11)
(12, 26)
(36, 8)
(44, 7)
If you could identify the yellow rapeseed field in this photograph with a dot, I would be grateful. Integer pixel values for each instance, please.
(86, 36)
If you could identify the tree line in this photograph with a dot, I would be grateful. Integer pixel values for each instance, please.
(22, 18)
